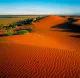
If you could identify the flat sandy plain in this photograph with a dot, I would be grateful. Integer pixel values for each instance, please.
(44, 53)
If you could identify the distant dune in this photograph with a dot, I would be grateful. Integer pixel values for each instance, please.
(45, 53)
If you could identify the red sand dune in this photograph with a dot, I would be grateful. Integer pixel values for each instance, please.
(24, 61)
(44, 53)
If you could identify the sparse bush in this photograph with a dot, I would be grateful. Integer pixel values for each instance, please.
(10, 32)
(19, 23)
(7, 28)
(28, 21)
(1, 26)
(22, 31)
(38, 18)
(24, 22)
(13, 25)
(29, 29)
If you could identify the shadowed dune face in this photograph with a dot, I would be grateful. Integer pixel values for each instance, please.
(44, 53)
(68, 27)
(73, 26)
(76, 36)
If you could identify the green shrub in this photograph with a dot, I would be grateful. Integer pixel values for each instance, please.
(27, 21)
(19, 23)
(22, 31)
(29, 29)
(38, 18)
(7, 28)
(10, 32)
(24, 22)
(13, 25)
(1, 26)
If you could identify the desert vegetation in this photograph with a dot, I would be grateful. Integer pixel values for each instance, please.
(11, 28)
(1, 26)
(10, 33)
(19, 27)
(23, 32)
(29, 29)
(39, 18)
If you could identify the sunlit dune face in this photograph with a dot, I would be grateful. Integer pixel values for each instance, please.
(50, 21)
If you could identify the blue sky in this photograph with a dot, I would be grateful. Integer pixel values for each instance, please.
(34, 7)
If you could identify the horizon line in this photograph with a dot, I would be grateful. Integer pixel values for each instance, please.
(39, 14)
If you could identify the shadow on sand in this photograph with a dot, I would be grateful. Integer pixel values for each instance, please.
(69, 27)
(76, 36)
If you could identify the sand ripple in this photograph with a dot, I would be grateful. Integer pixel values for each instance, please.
(24, 61)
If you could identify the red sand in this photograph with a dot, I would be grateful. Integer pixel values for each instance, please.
(44, 53)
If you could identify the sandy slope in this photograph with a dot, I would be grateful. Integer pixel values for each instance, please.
(44, 53)
(24, 61)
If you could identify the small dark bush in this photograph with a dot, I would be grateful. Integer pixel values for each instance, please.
(19, 23)
(28, 21)
(13, 25)
(38, 18)
(29, 29)
(7, 28)
(25, 22)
